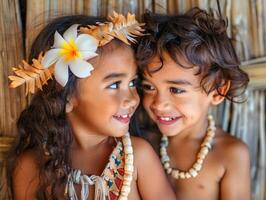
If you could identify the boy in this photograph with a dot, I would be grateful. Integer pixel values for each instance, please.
(188, 64)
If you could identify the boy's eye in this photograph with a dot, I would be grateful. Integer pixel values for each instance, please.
(133, 83)
(114, 85)
(147, 87)
(176, 90)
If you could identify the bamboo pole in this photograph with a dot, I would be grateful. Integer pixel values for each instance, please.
(11, 48)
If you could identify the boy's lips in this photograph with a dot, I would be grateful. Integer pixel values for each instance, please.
(167, 120)
(123, 118)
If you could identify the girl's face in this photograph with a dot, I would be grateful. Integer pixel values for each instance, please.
(106, 100)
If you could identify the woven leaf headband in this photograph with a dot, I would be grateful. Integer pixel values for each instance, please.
(72, 50)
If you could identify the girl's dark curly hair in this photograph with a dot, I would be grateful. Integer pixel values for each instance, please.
(43, 127)
(200, 38)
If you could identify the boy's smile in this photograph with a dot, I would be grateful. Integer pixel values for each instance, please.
(167, 120)
(173, 97)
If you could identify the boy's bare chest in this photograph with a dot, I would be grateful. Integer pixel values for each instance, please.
(205, 186)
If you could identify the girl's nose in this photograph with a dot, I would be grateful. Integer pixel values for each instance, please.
(131, 100)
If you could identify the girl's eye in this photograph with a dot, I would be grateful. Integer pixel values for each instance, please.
(114, 85)
(176, 90)
(147, 87)
(133, 83)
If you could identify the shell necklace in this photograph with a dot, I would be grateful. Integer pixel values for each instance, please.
(197, 166)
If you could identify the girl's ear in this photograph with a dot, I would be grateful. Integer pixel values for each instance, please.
(70, 104)
(219, 94)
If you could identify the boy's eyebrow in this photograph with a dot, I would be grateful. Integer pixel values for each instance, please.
(114, 75)
(179, 82)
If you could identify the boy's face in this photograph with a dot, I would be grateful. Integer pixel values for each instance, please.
(107, 99)
(173, 98)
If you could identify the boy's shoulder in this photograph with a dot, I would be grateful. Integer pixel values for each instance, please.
(231, 149)
(144, 154)
(140, 145)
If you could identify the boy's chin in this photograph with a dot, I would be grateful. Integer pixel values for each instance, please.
(168, 133)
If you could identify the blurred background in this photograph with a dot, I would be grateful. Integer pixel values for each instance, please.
(21, 21)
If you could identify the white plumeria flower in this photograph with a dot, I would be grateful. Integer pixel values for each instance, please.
(71, 50)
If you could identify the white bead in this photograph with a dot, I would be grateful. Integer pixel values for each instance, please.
(204, 150)
(127, 178)
(201, 155)
(193, 172)
(128, 150)
(169, 170)
(163, 151)
(129, 160)
(182, 175)
(187, 175)
(166, 165)
(199, 161)
(127, 183)
(129, 168)
(175, 173)
(125, 189)
(129, 156)
(165, 158)
(126, 141)
(197, 166)
(207, 144)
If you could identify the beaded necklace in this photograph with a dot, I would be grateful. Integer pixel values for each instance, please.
(197, 166)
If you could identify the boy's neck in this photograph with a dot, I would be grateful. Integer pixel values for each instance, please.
(197, 132)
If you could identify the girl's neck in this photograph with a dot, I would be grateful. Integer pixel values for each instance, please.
(84, 138)
(89, 141)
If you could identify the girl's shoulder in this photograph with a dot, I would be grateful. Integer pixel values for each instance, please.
(25, 176)
(26, 161)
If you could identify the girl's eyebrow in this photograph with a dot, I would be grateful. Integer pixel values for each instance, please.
(114, 75)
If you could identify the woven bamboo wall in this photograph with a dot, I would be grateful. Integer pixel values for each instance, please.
(20, 22)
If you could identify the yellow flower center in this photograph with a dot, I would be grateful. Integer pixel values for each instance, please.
(69, 51)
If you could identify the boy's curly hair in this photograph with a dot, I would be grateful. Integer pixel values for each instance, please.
(200, 38)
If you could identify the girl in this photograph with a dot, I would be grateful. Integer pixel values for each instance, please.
(74, 132)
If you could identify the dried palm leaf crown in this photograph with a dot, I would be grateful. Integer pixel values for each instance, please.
(73, 50)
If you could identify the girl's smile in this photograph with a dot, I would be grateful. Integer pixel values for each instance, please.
(123, 118)
(106, 100)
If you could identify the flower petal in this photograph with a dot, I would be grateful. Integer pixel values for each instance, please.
(61, 72)
(86, 55)
(71, 33)
(50, 57)
(86, 42)
(80, 68)
(59, 41)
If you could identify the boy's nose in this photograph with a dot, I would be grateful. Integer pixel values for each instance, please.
(160, 105)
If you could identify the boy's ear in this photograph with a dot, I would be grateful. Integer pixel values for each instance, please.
(218, 96)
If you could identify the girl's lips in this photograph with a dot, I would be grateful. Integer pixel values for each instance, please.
(167, 120)
(122, 118)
